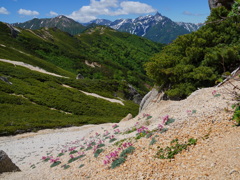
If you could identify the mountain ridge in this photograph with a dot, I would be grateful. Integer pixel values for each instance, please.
(154, 27)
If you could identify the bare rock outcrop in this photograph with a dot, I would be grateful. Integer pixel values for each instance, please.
(217, 3)
(150, 97)
(6, 164)
(127, 118)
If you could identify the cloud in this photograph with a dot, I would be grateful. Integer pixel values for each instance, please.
(52, 13)
(3, 10)
(187, 13)
(132, 7)
(27, 12)
(110, 8)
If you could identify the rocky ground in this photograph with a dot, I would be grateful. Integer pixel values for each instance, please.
(205, 115)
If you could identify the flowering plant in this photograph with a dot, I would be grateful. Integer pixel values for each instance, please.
(115, 159)
(115, 126)
(116, 131)
(215, 94)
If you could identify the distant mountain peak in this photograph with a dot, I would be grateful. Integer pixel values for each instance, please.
(154, 27)
(158, 14)
(61, 22)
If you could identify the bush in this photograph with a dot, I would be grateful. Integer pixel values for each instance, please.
(198, 59)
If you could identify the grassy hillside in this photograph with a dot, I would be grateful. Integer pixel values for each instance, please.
(37, 101)
(120, 55)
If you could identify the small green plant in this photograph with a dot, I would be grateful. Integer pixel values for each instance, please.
(194, 111)
(73, 159)
(215, 94)
(140, 135)
(153, 141)
(89, 148)
(119, 143)
(112, 140)
(33, 166)
(142, 132)
(170, 120)
(97, 152)
(55, 164)
(73, 152)
(60, 154)
(100, 145)
(149, 117)
(118, 162)
(175, 148)
(164, 130)
(81, 166)
(149, 135)
(192, 141)
(46, 159)
(129, 150)
(65, 166)
(236, 116)
(130, 130)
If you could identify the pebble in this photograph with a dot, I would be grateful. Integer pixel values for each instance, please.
(233, 171)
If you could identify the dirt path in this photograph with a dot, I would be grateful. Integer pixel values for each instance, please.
(33, 68)
(98, 96)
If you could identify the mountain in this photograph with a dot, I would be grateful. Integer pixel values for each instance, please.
(120, 56)
(109, 64)
(103, 22)
(61, 22)
(157, 28)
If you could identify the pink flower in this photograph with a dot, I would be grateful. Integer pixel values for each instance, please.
(106, 133)
(214, 92)
(142, 130)
(72, 148)
(105, 162)
(116, 131)
(114, 126)
(100, 141)
(165, 119)
(81, 153)
(160, 127)
(95, 148)
(130, 144)
(124, 145)
(54, 160)
(137, 123)
(189, 112)
(71, 156)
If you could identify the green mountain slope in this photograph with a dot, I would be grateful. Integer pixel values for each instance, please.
(36, 101)
(120, 55)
